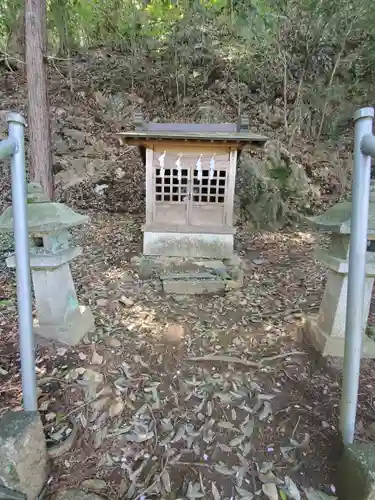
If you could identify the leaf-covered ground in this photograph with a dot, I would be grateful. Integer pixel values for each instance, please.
(199, 397)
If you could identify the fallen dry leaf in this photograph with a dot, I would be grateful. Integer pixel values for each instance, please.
(270, 490)
(94, 484)
(291, 489)
(215, 492)
(96, 359)
(127, 301)
(116, 407)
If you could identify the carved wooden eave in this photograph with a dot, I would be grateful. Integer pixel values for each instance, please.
(234, 136)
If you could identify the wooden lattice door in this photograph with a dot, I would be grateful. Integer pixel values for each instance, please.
(191, 195)
(209, 194)
(171, 196)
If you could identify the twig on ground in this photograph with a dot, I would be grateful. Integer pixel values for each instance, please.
(201, 483)
(283, 355)
(54, 58)
(155, 431)
(226, 359)
(194, 464)
(9, 56)
(295, 427)
(245, 362)
(86, 403)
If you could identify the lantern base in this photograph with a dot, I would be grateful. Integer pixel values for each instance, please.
(356, 474)
(330, 345)
(71, 332)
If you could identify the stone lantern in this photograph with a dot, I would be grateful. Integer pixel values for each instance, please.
(327, 331)
(59, 316)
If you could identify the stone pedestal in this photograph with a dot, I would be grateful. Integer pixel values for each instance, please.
(356, 474)
(59, 315)
(326, 331)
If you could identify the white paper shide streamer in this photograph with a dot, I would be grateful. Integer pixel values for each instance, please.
(199, 168)
(212, 166)
(161, 160)
(179, 167)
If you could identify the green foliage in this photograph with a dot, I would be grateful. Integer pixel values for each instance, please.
(5, 302)
(9, 10)
(316, 53)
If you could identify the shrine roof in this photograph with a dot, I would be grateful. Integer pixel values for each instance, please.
(200, 132)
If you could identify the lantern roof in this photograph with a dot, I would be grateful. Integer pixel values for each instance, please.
(337, 219)
(43, 215)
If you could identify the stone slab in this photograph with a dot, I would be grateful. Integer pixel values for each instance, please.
(71, 332)
(193, 245)
(186, 276)
(193, 286)
(216, 267)
(356, 474)
(234, 261)
(8, 494)
(211, 263)
(329, 345)
(237, 274)
(23, 453)
(232, 285)
(149, 266)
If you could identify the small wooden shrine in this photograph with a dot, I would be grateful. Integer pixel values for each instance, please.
(190, 180)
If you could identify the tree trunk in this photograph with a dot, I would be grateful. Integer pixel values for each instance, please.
(38, 114)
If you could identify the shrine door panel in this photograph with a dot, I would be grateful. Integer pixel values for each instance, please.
(209, 192)
(171, 196)
(190, 188)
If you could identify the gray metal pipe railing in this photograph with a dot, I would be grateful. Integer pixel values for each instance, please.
(14, 147)
(364, 148)
(7, 147)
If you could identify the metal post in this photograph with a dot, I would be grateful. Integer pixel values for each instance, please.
(356, 278)
(20, 226)
(7, 147)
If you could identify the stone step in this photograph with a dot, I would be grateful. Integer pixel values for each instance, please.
(192, 284)
(187, 276)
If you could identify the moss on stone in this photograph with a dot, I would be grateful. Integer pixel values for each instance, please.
(356, 475)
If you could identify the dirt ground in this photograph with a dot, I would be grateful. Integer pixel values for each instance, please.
(137, 410)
